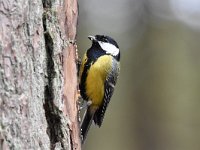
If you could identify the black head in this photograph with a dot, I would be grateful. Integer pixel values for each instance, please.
(106, 43)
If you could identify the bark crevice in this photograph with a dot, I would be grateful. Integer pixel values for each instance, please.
(52, 113)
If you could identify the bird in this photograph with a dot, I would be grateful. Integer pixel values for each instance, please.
(99, 71)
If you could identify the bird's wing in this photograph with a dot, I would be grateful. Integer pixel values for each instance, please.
(108, 92)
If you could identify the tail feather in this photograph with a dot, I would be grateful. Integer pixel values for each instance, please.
(86, 123)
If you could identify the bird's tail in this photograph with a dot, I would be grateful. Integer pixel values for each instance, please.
(86, 123)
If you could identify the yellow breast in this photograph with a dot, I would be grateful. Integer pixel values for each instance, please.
(96, 78)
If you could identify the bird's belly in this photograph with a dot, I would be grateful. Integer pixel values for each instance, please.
(96, 78)
(95, 87)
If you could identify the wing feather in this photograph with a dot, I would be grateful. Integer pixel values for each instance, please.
(108, 92)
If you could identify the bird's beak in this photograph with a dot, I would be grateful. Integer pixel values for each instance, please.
(92, 38)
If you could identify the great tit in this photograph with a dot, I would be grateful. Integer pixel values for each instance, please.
(98, 76)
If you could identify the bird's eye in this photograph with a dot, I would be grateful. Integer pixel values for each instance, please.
(105, 40)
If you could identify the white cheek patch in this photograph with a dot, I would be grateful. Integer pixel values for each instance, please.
(109, 48)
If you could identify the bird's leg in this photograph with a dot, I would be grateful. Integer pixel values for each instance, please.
(89, 103)
(86, 104)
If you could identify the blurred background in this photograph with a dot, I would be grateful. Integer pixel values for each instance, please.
(156, 103)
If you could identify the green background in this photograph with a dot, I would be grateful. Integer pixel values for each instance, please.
(156, 103)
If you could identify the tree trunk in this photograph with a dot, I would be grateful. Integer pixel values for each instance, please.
(38, 75)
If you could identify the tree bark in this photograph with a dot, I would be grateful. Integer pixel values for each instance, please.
(38, 75)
